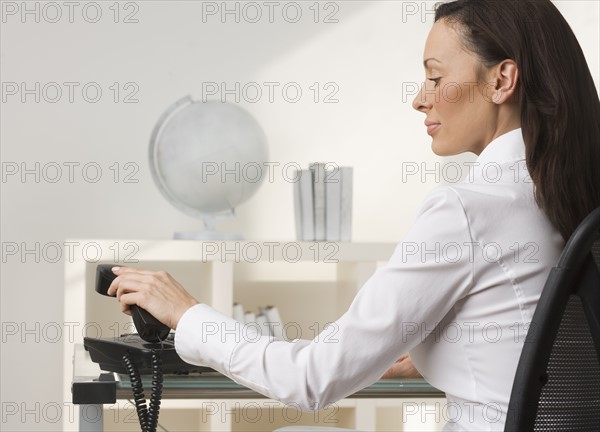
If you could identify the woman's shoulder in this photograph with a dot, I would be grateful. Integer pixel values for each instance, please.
(504, 213)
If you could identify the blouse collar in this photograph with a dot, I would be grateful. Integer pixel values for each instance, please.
(508, 147)
(490, 166)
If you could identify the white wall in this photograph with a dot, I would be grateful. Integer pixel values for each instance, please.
(369, 54)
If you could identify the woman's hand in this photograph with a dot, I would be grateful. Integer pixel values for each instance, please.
(155, 291)
(402, 368)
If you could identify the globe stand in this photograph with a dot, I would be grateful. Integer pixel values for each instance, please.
(210, 229)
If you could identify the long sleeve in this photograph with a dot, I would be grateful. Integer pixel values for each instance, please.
(429, 271)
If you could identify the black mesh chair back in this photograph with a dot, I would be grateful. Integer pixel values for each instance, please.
(557, 382)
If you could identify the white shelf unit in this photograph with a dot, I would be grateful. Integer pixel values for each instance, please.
(311, 283)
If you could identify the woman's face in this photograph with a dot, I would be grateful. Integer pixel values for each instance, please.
(462, 114)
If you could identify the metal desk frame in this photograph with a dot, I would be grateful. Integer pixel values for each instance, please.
(91, 389)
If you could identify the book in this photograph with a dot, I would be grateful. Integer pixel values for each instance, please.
(274, 321)
(323, 203)
(238, 312)
(249, 317)
(346, 204)
(262, 325)
(307, 217)
(318, 175)
(333, 204)
(298, 207)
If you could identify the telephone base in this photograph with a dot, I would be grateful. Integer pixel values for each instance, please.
(109, 352)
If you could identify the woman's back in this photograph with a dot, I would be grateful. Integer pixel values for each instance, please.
(473, 354)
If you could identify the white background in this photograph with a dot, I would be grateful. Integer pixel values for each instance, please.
(371, 53)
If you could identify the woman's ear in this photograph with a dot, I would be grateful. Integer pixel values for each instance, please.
(503, 79)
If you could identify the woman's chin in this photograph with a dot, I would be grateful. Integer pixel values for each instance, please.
(444, 148)
(439, 148)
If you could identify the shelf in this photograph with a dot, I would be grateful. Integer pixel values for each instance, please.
(311, 283)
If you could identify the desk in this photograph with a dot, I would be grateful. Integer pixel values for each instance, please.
(312, 283)
(91, 388)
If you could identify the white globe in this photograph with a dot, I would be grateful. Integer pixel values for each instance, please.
(207, 157)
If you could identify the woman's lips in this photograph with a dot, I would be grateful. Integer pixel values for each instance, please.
(431, 128)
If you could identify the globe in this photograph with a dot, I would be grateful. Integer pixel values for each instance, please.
(207, 158)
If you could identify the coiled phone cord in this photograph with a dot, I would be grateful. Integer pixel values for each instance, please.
(157, 380)
(148, 416)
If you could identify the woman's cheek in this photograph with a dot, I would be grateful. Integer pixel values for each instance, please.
(451, 93)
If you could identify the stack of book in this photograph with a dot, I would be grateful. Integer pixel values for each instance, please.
(267, 322)
(323, 203)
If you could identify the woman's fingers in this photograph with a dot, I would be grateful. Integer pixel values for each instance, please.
(403, 367)
(124, 286)
(126, 307)
(155, 291)
(134, 280)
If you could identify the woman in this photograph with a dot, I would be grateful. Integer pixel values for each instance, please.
(507, 81)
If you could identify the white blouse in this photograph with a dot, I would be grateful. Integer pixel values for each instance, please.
(457, 293)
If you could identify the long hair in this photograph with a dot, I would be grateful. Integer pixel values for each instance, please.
(560, 109)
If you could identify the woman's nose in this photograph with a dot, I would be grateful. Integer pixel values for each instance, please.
(420, 102)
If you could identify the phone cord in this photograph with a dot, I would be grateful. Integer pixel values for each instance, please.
(148, 417)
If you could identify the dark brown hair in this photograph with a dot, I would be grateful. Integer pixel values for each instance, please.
(560, 109)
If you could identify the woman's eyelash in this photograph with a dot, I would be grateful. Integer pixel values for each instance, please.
(435, 80)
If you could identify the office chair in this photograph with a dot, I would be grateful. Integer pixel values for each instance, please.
(557, 382)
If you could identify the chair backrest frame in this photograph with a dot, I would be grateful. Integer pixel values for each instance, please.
(575, 274)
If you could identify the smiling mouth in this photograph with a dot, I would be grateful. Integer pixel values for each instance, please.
(432, 128)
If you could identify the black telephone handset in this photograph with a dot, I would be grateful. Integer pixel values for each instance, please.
(152, 336)
(151, 351)
(149, 328)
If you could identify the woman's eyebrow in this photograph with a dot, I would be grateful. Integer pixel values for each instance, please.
(430, 59)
